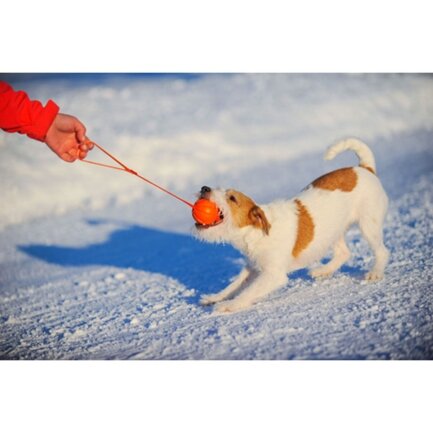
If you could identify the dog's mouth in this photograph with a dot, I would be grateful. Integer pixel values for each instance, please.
(208, 226)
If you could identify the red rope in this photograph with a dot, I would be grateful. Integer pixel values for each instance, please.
(123, 167)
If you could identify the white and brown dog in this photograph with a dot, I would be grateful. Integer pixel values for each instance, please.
(283, 236)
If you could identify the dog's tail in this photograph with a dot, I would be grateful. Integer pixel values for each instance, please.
(365, 155)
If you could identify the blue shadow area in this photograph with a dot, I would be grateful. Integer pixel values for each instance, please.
(201, 266)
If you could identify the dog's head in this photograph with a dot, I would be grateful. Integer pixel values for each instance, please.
(238, 212)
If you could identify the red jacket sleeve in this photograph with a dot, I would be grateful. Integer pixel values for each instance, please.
(19, 114)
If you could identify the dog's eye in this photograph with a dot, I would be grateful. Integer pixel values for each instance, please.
(233, 199)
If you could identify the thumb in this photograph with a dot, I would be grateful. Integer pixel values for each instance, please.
(80, 132)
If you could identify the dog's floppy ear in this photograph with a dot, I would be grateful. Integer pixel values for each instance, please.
(258, 219)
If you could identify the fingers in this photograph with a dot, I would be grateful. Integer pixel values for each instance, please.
(75, 153)
(68, 157)
(84, 148)
(88, 143)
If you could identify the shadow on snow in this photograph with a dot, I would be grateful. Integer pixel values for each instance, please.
(198, 265)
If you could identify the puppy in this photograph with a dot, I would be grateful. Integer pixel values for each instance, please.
(283, 236)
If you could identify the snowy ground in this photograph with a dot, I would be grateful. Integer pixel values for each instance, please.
(95, 264)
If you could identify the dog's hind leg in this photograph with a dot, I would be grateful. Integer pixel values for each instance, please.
(235, 285)
(371, 228)
(341, 255)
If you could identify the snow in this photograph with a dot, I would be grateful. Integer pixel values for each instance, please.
(96, 264)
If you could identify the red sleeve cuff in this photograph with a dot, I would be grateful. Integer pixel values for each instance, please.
(43, 121)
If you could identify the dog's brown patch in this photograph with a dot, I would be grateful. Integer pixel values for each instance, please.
(344, 179)
(245, 212)
(368, 168)
(305, 229)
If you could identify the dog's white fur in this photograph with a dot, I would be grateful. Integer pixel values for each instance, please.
(270, 256)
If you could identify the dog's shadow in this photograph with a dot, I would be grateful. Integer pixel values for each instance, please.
(202, 266)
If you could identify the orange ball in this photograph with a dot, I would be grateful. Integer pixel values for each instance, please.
(206, 212)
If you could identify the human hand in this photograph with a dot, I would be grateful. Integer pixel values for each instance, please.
(66, 137)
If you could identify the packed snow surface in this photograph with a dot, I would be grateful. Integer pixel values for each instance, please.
(95, 264)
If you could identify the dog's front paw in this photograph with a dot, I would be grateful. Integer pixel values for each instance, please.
(209, 300)
(373, 276)
(229, 307)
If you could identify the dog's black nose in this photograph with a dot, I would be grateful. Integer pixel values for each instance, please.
(205, 189)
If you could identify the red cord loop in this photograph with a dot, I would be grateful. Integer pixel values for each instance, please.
(123, 167)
